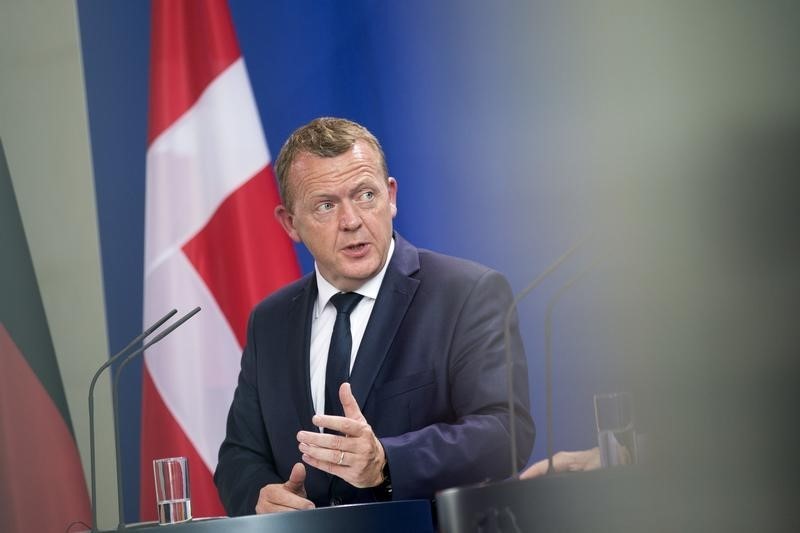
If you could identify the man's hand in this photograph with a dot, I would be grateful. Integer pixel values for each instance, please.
(357, 457)
(566, 462)
(289, 496)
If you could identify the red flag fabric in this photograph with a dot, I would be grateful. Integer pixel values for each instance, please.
(42, 487)
(41, 481)
(210, 238)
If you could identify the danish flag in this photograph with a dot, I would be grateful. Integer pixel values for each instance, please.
(210, 237)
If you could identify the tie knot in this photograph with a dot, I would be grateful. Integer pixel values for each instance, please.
(345, 302)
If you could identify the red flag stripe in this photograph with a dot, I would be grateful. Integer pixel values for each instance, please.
(191, 44)
(243, 254)
(41, 481)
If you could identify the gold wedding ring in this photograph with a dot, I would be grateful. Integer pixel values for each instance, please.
(341, 457)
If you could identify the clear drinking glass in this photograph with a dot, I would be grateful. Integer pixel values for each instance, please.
(173, 502)
(615, 429)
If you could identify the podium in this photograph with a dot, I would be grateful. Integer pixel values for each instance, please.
(615, 499)
(410, 516)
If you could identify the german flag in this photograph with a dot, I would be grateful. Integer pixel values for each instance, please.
(42, 487)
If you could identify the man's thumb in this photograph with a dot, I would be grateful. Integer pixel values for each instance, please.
(349, 404)
(296, 478)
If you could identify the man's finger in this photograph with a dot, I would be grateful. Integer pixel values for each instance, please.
(286, 502)
(349, 404)
(345, 426)
(290, 500)
(275, 508)
(323, 454)
(296, 479)
(537, 469)
(287, 496)
(326, 440)
(592, 459)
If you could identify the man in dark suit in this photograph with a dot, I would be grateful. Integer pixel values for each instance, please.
(418, 401)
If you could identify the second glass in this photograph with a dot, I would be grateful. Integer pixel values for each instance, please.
(615, 429)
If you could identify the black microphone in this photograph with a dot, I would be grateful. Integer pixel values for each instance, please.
(115, 392)
(509, 359)
(548, 361)
(105, 365)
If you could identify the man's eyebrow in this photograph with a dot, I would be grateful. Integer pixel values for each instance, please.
(366, 180)
(322, 195)
(366, 183)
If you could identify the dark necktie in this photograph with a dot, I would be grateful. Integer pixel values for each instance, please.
(338, 368)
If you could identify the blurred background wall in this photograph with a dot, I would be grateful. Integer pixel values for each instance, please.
(45, 134)
(513, 128)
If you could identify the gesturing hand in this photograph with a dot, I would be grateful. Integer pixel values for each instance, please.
(289, 496)
(566, 462)
(356, 455)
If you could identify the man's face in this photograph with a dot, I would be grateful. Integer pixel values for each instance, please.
(342, 211)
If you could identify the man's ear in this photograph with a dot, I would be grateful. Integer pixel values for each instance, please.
(391, 184)
(286, 219)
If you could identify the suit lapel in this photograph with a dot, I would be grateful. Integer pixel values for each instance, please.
(298, 341)
(396, 293)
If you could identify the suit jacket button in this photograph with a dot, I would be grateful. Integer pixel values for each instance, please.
(336, 501)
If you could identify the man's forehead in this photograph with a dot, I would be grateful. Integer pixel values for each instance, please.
(363, 149)
(360, 150)
(360, 156)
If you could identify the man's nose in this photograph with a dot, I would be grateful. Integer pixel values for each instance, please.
(349, 217)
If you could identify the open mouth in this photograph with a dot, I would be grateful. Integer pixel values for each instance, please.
(356, 249)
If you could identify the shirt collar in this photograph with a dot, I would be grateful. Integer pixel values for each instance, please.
(369, 289)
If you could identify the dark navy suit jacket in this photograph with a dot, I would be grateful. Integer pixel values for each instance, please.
(429, 376)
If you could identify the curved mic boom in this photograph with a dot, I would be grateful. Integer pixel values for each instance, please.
(548, 358)
(115, 393)
(100, 370)
(509, 359)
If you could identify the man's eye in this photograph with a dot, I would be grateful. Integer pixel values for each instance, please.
(324, 207)
(367, 195)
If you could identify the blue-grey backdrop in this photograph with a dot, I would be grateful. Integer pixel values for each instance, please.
(474, 103)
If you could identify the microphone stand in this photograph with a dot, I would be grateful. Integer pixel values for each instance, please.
(99, 371)
(115, 393)
(548, 361)
(509, 359)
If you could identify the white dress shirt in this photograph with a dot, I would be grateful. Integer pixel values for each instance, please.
(322, 326)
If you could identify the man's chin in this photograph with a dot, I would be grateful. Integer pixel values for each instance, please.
(356, 277)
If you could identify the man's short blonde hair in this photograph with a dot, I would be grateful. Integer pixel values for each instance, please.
(323, 137)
